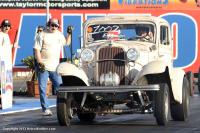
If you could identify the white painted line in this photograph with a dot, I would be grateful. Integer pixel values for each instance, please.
(23, 110)
(196, 95)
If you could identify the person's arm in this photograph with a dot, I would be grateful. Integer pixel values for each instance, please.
(66, 40)
(150, 34)
(41, 66)
(37, 47)
(15, 45)
(38, 55)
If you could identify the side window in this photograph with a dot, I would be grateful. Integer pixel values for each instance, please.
(164, 36)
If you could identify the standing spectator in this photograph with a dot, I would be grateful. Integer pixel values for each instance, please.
(47, 47)
(40, 29)
(4, 37)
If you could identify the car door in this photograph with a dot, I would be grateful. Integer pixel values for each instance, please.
(165, 46)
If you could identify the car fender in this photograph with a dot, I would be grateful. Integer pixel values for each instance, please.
(153, 67)
(176, 77)
(68, 69)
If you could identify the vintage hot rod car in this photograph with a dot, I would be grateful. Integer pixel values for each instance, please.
(125, 67)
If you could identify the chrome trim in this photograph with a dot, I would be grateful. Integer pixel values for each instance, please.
(106, 89)
(111, 60)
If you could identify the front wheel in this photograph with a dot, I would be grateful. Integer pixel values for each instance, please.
(64, 109)
(162, 105)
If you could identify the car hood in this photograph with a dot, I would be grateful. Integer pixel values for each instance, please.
(141, 46)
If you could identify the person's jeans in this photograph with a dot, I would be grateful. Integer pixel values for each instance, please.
(43, 79)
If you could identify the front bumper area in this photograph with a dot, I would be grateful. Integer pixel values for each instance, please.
(108, 89)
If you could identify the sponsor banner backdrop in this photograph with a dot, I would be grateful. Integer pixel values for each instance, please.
(183, 16)
(56, 4)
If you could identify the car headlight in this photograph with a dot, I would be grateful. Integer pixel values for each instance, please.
(87, 55)
(132, 54)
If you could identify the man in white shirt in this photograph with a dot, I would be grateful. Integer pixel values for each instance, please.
(4, 38)
(47, 47)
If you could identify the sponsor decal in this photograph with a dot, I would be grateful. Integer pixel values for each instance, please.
(6, 77)
(3, 77)
(158, 4)
(9, 87)
(143, 2)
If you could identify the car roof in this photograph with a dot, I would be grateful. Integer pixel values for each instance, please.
(127, 18)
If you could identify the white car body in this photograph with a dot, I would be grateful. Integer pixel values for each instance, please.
(156, 61)
(125, 57)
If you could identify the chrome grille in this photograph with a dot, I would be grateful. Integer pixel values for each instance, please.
(111, 59)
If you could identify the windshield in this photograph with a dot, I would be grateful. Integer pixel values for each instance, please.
(129, 32)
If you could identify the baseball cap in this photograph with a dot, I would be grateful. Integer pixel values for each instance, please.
(54, 21)
(5, 22)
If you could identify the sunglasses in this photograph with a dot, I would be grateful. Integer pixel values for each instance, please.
(6, 26)
(54, 25)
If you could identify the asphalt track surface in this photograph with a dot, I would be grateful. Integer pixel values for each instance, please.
(33, 121)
